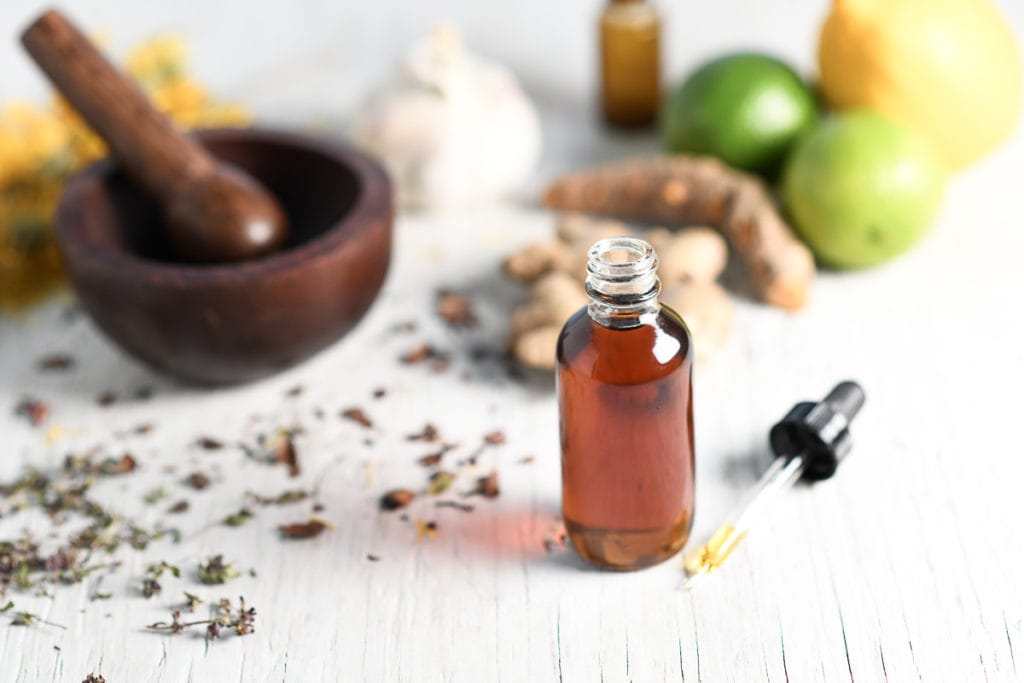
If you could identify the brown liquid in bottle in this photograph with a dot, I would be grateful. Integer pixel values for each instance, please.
(625, 401)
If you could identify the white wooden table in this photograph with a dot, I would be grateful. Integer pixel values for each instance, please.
(907, 565)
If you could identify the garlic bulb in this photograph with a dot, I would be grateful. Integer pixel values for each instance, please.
(451, 128)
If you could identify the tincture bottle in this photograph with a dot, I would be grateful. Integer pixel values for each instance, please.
(626, 414)
(630, 62)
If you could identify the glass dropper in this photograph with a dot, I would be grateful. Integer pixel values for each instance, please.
(808, 443)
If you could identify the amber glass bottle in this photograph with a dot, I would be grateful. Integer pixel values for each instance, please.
(630, 62)
(626, 414)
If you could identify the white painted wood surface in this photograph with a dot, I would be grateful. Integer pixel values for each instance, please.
(907, 565)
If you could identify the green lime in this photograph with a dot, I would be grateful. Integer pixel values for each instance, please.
(746, 109)
(862, 189)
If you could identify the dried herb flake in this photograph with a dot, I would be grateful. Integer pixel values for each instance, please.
(309, 529)
(358, 416)
(395, 499)
(456, 309)
(488, 486)
(238, 518)
(155, 495)
(198, 481)
(33, 410)
(208, 443)
(425, 530)
(440, 482)
(55, 362)
(215, 571)
(429, 433)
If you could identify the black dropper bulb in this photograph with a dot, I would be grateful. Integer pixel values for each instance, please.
(819, 431)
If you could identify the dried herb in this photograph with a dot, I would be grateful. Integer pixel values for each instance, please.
(488, 486)
(465, 507)
(287, 454)
(94, 678)
(238, 518)
(216, 572)
(208, 443)
(417, 354)
(425, 529)
(197, 480)
(178, 508)
(83, 465)
(56, 362)
(395, 499)
(456, 309)
(64, 494)
(33, 410)
(192, 602)
(495, 438)
(552, 543)
(429, 433)
(284, 498)
(100, 596)
(295, 391)
(106, 399)
(380, 392)
(123, 465)
(359, 416)
(241, 620)
(431, 459)
(279, 447)
(440, 482)
(155, 495)
(150, 584)
(309, 529)
(138, 430)
(176, 625)
(30, 619)
(439, 360)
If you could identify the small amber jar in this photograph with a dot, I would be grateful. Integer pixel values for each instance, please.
(626, 414)
(630, 63)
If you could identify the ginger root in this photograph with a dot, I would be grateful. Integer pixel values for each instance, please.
(682, 190)
(690, 262)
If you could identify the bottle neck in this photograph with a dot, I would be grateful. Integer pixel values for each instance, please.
(622, 282)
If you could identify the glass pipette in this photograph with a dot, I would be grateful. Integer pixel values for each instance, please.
(809, 442)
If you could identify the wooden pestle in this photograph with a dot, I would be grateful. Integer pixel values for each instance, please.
(213, 212)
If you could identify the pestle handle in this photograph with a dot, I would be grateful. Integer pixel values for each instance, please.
(154, 152)
(213, 212)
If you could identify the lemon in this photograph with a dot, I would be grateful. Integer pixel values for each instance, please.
(949, 68)
(746, 109)
(862, 188)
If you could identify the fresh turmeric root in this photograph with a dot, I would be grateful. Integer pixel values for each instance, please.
(682, 190)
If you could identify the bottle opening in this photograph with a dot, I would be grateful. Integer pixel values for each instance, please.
(622, 279)
(621, 258)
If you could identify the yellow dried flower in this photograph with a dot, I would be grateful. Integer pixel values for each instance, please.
(158, 61)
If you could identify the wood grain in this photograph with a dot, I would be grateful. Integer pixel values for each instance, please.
(903, 566)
